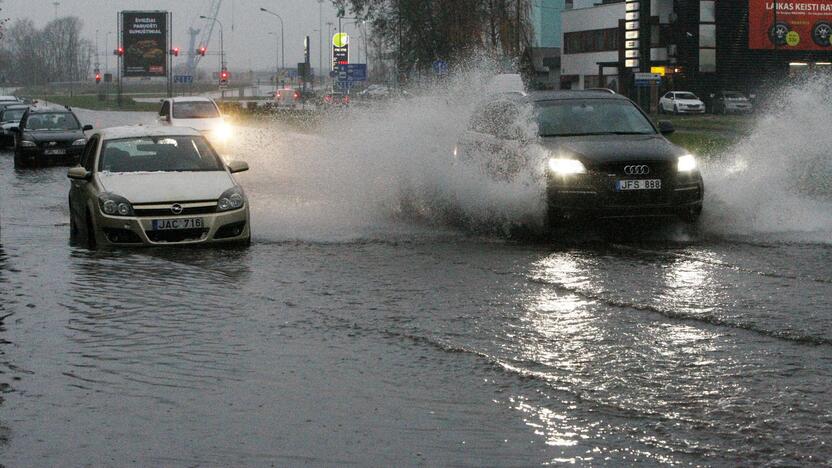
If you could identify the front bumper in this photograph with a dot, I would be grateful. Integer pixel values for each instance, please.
(593, 196)
(37, 155)
(217, 228)
(692, 110)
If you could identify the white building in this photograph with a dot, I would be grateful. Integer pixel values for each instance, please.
(592, 36)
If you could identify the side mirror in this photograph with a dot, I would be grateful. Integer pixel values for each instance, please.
(87, 128)
(666, 127)
(237, 166)
(79, 173)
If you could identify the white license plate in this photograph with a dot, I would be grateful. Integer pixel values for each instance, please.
(51, 152)
(638, 184)
(172, 224)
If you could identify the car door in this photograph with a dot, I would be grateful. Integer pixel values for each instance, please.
(79, 192)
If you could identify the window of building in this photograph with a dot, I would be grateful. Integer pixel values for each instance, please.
(598, 40)
(707, 13)
(707, 60)
(707, 35)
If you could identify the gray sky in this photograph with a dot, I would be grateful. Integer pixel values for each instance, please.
(247, 45)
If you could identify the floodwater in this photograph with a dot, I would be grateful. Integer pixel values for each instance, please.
(358, 331)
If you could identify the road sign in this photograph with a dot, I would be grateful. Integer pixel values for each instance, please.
(340, 50)
(183, 79)
(352, 72)
(440, 67)
(647, 79)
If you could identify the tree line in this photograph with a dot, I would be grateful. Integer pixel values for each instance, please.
(415, 33)
(56, 53)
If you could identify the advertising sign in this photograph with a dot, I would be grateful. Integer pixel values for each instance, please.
(794, 25)
(340, 50)
(144, 36)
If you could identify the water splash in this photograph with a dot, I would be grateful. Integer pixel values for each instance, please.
(778, 180)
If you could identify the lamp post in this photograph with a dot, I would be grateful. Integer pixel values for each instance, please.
(321, 41)
(329, 26)
(282, 43)
(106, 55)
(222, 41)
(276, 58)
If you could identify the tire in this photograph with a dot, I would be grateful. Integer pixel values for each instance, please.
(691, 216)
(91, 244)
(675, 109)
(777, 33)
(822, 34)
(19, 163)
(661, 108)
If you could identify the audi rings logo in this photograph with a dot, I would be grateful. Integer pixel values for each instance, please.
(637, 169)
(176, 209)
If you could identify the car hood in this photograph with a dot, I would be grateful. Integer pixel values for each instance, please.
(161, 187)
(612, 148)
(198, 124)
(42, 136)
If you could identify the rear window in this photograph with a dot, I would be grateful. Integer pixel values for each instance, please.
(159, 154)
(195, 110)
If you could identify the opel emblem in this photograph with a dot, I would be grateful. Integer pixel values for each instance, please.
(176, 209)
(637, 169)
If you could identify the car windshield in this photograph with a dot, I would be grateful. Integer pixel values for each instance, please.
(158, 154)
(12, 115)
(688, 96)
(195, 110)
(52, 121)
(576, 117)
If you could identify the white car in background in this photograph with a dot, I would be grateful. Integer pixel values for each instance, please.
(681, 102)
(201, 114)
(156, 186)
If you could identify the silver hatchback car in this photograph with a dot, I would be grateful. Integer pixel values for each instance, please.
(156, 186)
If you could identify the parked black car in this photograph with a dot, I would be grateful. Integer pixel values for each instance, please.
(48, 135)
(602, 156)
(10, 117)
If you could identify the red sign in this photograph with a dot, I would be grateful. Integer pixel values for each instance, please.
(796, 25)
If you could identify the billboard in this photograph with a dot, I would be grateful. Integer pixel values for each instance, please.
(790, 25)
(340, 50)
(144, 36)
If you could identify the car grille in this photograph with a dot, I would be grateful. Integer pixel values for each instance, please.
(177, 235)
(57, 144)
(158, 210)
(616, 171)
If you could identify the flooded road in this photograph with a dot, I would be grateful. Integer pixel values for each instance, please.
(404, 343)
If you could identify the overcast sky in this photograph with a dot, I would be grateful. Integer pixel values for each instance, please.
(247, 40)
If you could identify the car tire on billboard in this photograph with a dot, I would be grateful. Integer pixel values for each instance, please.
(778, 33)
(821, 33)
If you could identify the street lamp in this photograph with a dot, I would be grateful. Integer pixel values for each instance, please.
(282, 44)
(106, 55)
(222, 42)
(321, 41)
(276, 58)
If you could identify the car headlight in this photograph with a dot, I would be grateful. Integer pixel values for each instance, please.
(564, 166)
(223, 132)
(79, 142)
(114, 205)
(27, 144)
(231, 199)
(687, 163)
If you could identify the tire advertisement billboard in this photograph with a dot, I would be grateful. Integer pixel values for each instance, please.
(144, 36)
(790, 24)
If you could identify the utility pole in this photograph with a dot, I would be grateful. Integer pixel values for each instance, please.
(321, 41)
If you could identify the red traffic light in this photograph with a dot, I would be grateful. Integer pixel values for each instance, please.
(175, 51)
(119, 51)
(202, 51)
(98, 77)
(224, 75)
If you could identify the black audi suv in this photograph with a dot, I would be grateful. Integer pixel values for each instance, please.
(602, 155)
(48, 135)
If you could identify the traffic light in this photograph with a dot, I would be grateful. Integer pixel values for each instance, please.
(202, 51)
(97, 78)
(224, 75)
(175, 51)
(119, 51)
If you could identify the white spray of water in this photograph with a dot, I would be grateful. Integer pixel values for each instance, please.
(778, 180)
(381, 172)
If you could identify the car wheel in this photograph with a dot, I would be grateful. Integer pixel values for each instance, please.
(661, 108)
(691, 215)
(19, 162)
(778, 32)
(675, 109)
(821, 34)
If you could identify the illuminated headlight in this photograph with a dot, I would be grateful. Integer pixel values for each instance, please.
(79, 142)
(562, 166)
(687, 163)
(27, 144)
(231, 199)
(223, 132)
(115, 205)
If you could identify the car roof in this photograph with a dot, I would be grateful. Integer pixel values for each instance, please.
(137, 131)
(539, 96)
(49, 110)
(190, 99)
(9, 98)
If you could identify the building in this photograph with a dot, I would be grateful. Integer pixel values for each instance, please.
(546, 43)
(698, 45)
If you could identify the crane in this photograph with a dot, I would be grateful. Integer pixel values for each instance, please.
(204, 39)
